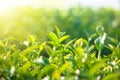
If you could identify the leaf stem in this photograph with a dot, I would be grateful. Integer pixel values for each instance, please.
(99, 55)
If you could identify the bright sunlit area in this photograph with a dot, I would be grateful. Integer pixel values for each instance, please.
(59, 39)
(5, 4)
(21, 14)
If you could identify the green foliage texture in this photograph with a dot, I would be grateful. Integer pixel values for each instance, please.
(60, 58)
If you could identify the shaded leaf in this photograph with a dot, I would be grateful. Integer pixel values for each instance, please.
(48, 50)
(112, 76)
(96, 67)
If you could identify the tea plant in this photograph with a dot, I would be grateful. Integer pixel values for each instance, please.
(60, 58)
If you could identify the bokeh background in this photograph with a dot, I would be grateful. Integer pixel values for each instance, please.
(20, 18)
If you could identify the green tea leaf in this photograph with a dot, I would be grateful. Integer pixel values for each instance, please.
(24, 69)
(49, 69)
(81, 43)
(52, 36)
(116, 52)
(112, 76)
(96, 67)
(57, 31)
(70, 42)
(100, 30)
(63, 38)
(1, 44)
(97, 43)
(48, 50)
(42, 46)
(24, 52)
(31, 40)
(61, 34)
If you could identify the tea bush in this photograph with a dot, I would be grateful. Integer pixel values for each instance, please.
(60, 58)
(76, 21)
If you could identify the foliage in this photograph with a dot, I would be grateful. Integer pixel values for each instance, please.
(60, 58)
(76, 21)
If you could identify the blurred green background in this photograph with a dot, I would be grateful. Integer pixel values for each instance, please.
(77, 21)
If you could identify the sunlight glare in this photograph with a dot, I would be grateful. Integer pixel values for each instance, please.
(61, 4)
(6, 4)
